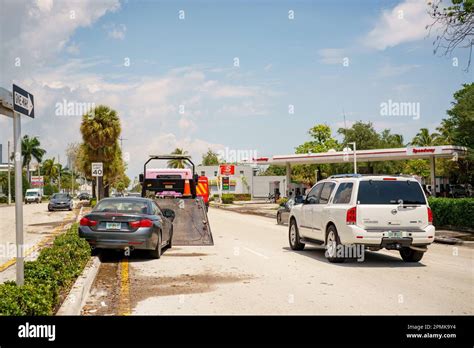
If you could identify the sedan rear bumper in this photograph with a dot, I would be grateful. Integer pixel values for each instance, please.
(143, 238)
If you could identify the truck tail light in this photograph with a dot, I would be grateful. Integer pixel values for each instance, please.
(351, 216)
(87, 222)
(430, 216)
(141, 223)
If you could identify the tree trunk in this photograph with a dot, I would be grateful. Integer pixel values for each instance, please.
(93, 189)
(101, 187)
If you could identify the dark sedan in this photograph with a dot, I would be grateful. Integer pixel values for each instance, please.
(60, 201)
(128, 223)
(283, 212)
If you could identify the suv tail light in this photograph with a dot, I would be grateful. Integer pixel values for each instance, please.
(430, 216)
(351, 216)
(87, 222)
(141, 223)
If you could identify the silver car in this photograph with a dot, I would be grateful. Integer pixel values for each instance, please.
(128, 222)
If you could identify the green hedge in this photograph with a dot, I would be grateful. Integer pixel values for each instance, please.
(453, 212)
(227, 198)
(54, 271)
(242, 196)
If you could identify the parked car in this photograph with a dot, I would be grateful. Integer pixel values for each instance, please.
(134, 194)
(458, 191)
(33, 196)
(375, 212)
(60, 201)
(128, 222)
(84, 196)
(283, 212)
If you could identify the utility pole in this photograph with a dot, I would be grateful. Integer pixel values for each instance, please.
(9, 179)
(355, 156)
(59, 170)
(18, 199)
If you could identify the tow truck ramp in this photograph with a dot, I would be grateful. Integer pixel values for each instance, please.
(190, 225)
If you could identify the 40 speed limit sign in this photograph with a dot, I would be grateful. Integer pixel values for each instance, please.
(97, 169)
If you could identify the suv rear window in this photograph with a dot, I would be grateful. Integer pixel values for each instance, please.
(390, 192)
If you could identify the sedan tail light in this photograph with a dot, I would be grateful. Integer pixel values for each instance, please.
(141, 223)
(430, 216)
(351, 216)
(87, 222)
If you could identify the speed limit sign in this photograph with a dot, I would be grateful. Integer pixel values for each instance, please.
(97, 169)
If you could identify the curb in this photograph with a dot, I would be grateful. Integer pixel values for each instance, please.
(79, 292)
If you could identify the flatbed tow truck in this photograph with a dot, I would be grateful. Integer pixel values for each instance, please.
(176, 189)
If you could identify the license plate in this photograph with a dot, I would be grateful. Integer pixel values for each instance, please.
(168, 186)
(113, 225)
(394, 234)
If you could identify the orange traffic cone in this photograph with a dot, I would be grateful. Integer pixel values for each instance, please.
(187, 188)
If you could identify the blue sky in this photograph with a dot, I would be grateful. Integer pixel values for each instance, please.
(188, 65)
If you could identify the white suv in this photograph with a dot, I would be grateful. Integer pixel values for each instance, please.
(370, 212)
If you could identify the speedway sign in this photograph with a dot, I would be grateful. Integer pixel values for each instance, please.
(227, 169)
(37, 181)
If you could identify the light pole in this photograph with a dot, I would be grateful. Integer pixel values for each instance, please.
(355, 156)
(9, 179)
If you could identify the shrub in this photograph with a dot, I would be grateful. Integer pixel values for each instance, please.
(52, 273)
(49, 189)
(242, 196)
(228, 198)
(93, 202)
(282, 200)
(452, 212)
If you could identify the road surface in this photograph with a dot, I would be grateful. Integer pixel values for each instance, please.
(251, 270)
(39, 226)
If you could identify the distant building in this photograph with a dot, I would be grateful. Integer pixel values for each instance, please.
(244, 180)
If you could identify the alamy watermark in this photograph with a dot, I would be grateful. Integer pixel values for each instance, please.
(405, 109)
(236, 155)
(73, 108)
(351, 251)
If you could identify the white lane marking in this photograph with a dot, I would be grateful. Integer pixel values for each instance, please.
(256, 253)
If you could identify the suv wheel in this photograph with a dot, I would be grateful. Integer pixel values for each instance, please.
(294, 236)
(332, 244)
(410, 255)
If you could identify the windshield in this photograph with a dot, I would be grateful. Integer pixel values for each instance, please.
(390, 192)
(32, 193)
(122, 206)
(60, 196)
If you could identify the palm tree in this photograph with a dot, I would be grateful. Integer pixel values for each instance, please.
(424, 138)
(446, 132)
(100, 130)
(30, 148)
(51, 169)
(177, 163)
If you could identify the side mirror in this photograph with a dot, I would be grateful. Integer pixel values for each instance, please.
(140, 178)
(168, 213)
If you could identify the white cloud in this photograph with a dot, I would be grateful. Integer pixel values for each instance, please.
(389, 70)
(116, 31)
(331, 55)
(406, 22)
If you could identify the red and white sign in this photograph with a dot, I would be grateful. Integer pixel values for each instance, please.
(227, 169)
(423, 151)
(37, 181)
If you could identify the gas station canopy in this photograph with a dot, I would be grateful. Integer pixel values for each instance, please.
(395, 154)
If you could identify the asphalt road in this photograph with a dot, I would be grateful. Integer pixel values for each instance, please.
(251, 270)
(39, 226)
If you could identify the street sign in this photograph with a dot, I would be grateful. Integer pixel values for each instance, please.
(37, 181)
(97, 169)
(225, 183)
(23, 102)
(227, 169)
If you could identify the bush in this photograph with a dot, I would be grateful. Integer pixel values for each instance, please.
(52, 273)
(453, 212)
(227, 198)
(282, 200)
(242, 196)
(93, 202)
(49, 190)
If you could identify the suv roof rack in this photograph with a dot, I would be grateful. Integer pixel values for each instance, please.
(362, 175)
